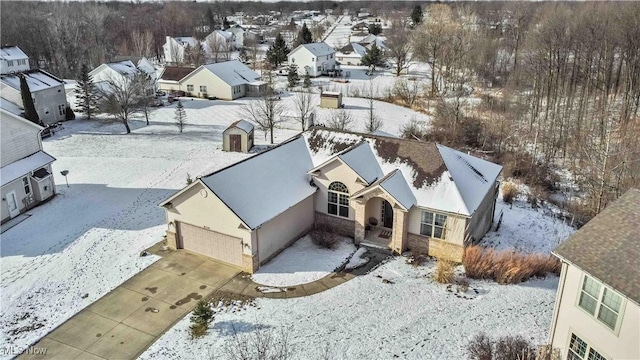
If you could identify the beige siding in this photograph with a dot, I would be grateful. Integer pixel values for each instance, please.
(207, 212)
(335, 171)
(215, 86)
(19, 139)
(277, 233)
(454, 227)
(247, 141)
(482, 219)
(570, 318)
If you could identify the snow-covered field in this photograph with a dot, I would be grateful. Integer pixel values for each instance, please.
(303, 262)
(87, 240)
(408, 316)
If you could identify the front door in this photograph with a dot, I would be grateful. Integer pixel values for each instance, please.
(235, 143)
(12, 202)
(387, 214)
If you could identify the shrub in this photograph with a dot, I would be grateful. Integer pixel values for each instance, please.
(506, 267)
(444, 271)
(200, 319)
(69, 114)
(509, 192)
(324, 236)
(463, 285)
(480, 347)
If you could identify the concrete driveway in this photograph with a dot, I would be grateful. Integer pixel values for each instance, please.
(123, 323)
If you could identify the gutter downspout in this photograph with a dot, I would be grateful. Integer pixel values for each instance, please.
(558, 302)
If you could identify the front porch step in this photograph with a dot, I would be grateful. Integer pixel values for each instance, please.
(376, 247)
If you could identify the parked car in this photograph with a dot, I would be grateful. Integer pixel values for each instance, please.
(160, 93)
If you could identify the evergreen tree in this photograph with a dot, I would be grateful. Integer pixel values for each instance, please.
(373, 57)
(416, 15)
(181, 116)
(307, 81)
(27, 102)
(86, 93)
(242, 56)
(225, 23)
(304, 36)
(293, 78)
(375, 29)
(277, 53)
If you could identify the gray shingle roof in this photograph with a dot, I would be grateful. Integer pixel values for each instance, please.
(608, 246)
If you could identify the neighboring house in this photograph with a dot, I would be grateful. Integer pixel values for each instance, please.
(170, 77)
(238, 137)
(224, 40)
(26, 169)
(315, 59)
(597, 309)
(174, 48)
(13, 59)
(351, 54)
(238, 33)
(397, 193)
(143, 64)
(227, 80)
(47, 91)
(120, 73)
(371, 39)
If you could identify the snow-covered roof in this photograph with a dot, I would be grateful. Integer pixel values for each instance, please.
(12, 53)
(233, 72)
(243, 125)
(317, 49)
(36, 79)
(336, 93)
(186, 40)
(383, 133)
(354, 49)
(126, 68)
(439, 177)
(20, 168)
(265, 185)
(360, 158)
(11, 107)
(225, 34)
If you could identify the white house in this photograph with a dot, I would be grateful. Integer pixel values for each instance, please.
(47, 91)
(351, 54)
(122, 72)
(315, 59)
(223, 40)
(13, 59)
(597, 309)
(25, 173)
(238, 34)
(174, 48)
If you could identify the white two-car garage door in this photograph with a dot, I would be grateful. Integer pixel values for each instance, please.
(210, 243)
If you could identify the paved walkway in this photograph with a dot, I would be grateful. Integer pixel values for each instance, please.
(123, 323)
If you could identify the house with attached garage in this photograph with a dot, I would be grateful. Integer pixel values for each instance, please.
(314, 59)
(227, 80)
(597, 309)
(48, 93)
(25, 171)
(382, 191)
(122, 72)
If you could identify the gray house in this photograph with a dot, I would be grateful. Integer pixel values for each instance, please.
(26, 169)
(49, 96)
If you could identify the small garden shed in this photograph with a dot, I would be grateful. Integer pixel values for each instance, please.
(331, 100)
(238, 137)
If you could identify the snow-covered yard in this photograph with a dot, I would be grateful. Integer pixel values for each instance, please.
(87, 240)
(303, 262)
(407, 316)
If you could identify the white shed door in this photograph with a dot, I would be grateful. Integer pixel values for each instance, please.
(210, 243)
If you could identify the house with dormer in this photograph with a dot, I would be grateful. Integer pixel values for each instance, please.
(382, 191)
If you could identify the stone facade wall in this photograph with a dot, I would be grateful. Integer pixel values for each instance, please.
(172, 240)
(435, 247)
(341, 226)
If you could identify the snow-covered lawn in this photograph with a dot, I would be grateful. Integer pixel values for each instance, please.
(408, 316)
(87, 240)
(303, 262)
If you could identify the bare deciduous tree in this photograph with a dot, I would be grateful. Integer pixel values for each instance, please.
(121, 98)
(399, 46)
(267, 110)
(373, 121)
(304, 102)
(260, 344)
(142, 43)
(340, 119)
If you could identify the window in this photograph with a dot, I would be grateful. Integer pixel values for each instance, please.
(27, 188)
(9, 62)
(338, 201)
(293, 60)
(313, 59)
(61, 110)
(319, 68)
(600, 301)
(203, 88)
(578, 350)
(189, 87)
(432, 224)
(22, 62)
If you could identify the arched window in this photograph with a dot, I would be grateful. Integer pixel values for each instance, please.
(338, 200)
